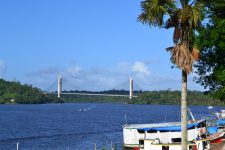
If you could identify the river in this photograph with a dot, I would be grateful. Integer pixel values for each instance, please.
(64, 127)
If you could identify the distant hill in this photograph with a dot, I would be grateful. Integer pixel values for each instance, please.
(15, 92)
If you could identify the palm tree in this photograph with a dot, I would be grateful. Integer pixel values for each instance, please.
(185, 17)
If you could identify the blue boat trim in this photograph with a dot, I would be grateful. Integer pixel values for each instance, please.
(170, 128)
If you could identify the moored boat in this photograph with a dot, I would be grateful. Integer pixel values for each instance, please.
(216, 127)
(164, 136)
(215, 135)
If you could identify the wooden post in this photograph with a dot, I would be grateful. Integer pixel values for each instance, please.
(95, 148)
(111, 146)
(17, 146)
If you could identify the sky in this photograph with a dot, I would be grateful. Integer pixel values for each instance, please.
(93, 45)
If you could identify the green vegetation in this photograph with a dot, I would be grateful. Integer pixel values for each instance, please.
(152, 97)
(93, 99)
(173, 98)
(26, 94)
(14, 92)
(211, 41)
(99, 99)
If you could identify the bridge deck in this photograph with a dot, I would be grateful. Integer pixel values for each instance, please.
(93, 94)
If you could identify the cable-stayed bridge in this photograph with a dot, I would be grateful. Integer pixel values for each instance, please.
(61, 92)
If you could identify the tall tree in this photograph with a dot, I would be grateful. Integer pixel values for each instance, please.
(211, 41)
(184, 16)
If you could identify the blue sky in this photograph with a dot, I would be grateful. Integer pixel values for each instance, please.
(94, 45)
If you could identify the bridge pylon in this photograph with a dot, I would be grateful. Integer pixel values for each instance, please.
(59, 86)
(131, 88)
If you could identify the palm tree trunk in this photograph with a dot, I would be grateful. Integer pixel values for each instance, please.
(184, 111)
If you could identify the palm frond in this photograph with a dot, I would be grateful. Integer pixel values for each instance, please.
(196, 14)
(191, 15)
(184, 16)
(181, 56)
(153, 11)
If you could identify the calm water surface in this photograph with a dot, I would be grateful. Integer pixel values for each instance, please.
(64, 127)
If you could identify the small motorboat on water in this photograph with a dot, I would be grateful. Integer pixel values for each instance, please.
(210, 107)
(87, 108)
(82, 109)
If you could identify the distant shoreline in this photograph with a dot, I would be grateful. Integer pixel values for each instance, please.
(164, 97)
(15, 92)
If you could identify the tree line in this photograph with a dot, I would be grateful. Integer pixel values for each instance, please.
(15, 92)
(164, 97)
(173, 98)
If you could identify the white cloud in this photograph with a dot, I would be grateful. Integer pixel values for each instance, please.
(74, 70)
(75, 77)
(98, 78)
(140, 67)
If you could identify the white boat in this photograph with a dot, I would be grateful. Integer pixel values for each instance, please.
(164, 136)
